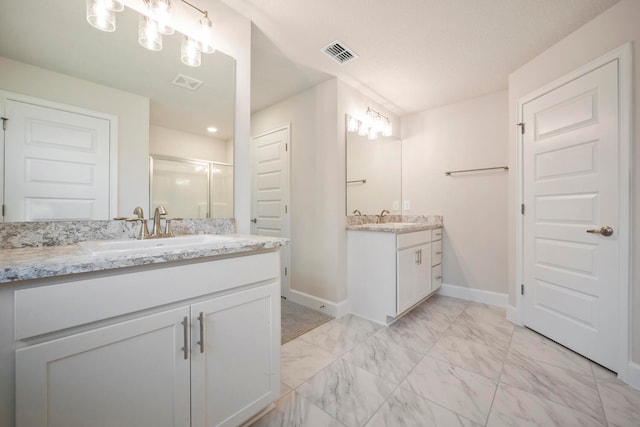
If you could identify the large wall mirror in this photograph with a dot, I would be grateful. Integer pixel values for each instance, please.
(374, 174)
(161, 106)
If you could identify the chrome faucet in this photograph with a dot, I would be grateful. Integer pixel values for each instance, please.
(382, 214)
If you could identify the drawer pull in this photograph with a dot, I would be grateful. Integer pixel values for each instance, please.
(201, 342)
(185, 331)
(438, 277)
(439, 253)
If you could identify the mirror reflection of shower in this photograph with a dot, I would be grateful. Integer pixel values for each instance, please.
(191, 188)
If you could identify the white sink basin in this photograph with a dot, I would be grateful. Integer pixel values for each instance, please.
(99, 247)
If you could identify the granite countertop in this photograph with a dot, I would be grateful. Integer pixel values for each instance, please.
(51, 261)
(395, 227)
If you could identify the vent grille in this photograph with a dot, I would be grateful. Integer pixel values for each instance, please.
(187, 82)
(339, 52)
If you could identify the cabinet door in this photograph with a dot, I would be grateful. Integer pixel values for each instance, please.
(235, 371)
(407, 262)
(423, 272)
(132, 373)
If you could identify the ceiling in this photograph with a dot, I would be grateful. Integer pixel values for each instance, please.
(413, 54)
(64, 42)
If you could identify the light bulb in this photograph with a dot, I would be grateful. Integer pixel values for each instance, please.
(189, 53)
(99, 15)
(148, 34)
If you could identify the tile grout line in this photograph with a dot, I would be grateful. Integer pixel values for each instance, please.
(499, 381)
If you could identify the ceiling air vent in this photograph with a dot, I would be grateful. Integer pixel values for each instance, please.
(187, 82)
(339, 52)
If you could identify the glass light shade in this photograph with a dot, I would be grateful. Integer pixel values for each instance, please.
(363, 130)
(205, 36)
(159, 11)
(189, 53)
(387, 130)
(352, 124)
(100, 16)
(373, 134)
(148, 34)
(115, 5)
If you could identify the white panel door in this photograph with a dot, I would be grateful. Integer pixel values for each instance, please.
(235, 364)
(270, 191)
(129, 374)
(571, 189)
(59, 168)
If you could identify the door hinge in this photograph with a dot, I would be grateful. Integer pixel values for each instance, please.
(2, 210)
(286, 147)
(522, 209)
(286, 271)
(521, 124)
(286, 208)
(522, 289)
(4, 122)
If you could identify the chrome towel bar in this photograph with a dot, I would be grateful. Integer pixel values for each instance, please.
(448, 173)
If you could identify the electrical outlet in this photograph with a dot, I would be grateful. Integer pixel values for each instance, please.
(407, 205)
(396, 205)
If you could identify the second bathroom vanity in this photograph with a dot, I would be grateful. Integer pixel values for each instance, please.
(392, 267)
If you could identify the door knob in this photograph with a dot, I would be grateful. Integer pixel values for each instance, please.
(605, 231)
(254, 220)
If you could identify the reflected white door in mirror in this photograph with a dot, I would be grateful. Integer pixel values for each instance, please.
(59, 162)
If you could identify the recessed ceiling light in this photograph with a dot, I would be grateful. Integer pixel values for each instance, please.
(212, 129)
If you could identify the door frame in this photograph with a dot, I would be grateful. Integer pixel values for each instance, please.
(623, 55)
(285, 251)
(113, 139)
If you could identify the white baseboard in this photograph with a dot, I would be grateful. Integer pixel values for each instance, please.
(633, 375)
(331, 308)
(475, 295)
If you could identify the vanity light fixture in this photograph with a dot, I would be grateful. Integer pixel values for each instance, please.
(155, 23)
(373, 125)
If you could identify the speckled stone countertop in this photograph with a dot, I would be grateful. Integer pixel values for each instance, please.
(395, 227)
(395, 223)
(42, 262)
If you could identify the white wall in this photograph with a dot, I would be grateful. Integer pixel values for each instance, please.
(318, 246)
(132, 112)
(610, 30)
(466, 135)
(175, 143)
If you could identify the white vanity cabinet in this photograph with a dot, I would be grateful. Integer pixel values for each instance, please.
(388, 273)
(198, 345)
(413, 267)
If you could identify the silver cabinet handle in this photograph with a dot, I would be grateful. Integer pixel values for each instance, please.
(439, 253)
(201, 342)
(185, 331)
(254, 220)
(605, 231)
(420, 256)
(438, 277)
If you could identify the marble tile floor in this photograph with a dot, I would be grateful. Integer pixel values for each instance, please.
(447, 363)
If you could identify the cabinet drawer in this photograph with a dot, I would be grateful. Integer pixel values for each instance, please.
(436, 277)
(436, 252)
(436, 234)
(412, 239)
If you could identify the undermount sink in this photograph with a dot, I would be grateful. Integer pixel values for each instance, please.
(122, 246)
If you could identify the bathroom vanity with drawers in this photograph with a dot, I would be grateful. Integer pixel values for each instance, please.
(392, 267)
(172, 337)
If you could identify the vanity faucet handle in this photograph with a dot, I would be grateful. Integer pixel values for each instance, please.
(168, 229)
